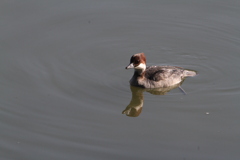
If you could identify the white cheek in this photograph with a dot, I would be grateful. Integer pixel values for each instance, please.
(141, 66)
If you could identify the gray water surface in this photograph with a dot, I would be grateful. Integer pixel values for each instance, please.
(64, 86)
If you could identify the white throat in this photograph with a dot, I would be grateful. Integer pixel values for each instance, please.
(141, 66)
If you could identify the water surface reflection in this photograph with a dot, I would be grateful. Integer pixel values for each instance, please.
(134, 108)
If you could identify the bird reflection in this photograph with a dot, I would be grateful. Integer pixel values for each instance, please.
(134, 108)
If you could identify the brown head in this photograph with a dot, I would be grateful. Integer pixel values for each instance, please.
(137, 61)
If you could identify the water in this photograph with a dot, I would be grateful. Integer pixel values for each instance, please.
(64, 87)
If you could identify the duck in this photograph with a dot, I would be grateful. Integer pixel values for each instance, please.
(155, 76)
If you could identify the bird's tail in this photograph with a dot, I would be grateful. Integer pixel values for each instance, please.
(188, 73)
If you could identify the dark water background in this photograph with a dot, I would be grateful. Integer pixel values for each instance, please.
(63, 84)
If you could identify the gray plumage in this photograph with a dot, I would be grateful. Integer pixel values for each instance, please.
(155, 76)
